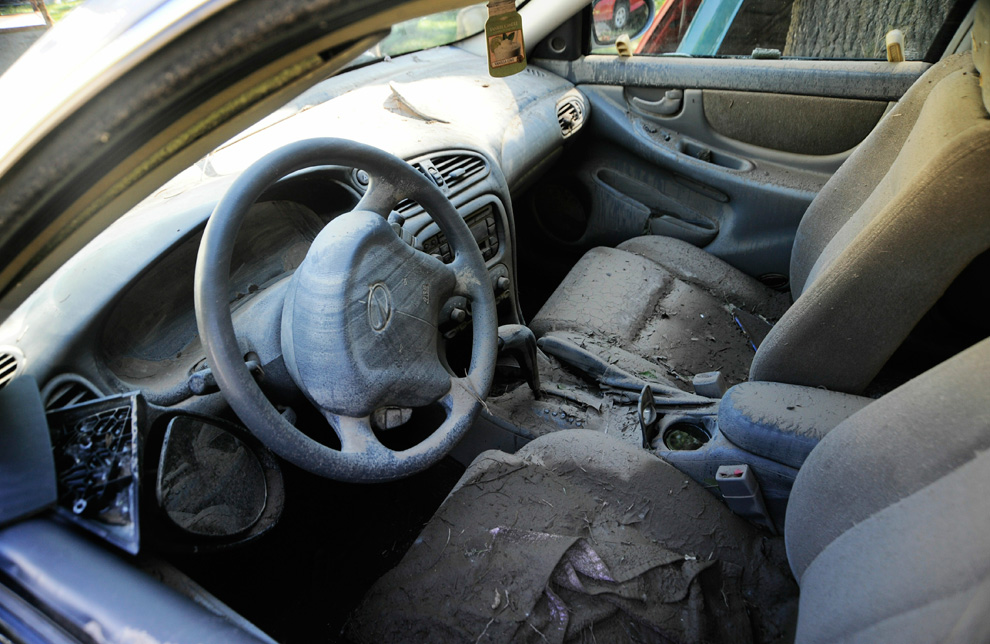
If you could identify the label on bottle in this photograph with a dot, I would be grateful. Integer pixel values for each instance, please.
(504, 36)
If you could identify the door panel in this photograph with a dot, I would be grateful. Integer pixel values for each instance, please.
(710, 160)
(736, 135)
(811, 125)
(646, 177)
(625, 197)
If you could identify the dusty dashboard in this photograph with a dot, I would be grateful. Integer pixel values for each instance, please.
(116, 327)
(155, 446)
(150, 341)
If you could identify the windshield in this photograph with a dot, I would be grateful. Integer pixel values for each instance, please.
(441, 28)
(434, 30)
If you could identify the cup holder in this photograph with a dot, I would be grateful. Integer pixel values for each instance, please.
(684, 436)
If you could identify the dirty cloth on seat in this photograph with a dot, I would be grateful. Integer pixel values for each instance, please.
(581, 538)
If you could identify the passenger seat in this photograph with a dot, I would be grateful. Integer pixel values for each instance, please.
(878, 246)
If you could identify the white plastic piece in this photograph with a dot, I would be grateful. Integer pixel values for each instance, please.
(624, 46)
(710, 384)
(895, 46)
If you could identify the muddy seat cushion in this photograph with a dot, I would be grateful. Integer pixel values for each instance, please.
(668, 301)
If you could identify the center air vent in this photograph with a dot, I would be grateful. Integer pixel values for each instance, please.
(458, 168)
(570, 115)
(449, 172)
(406, 205)
(8, 367)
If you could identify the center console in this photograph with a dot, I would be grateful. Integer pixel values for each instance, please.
(769, 426)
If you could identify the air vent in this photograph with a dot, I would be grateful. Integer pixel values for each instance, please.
(68, 389)
(95, 446)
(406, 205)
(447, 171)
(8, 367)
(570, 116)
(458, 168)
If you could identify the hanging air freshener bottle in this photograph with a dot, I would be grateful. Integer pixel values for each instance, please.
(503, 33)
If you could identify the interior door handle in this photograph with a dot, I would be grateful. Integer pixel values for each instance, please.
(669, 104)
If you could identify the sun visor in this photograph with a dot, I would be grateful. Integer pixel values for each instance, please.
(27, 467)
(981, 47)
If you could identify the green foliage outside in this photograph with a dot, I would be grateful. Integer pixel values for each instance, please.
(421, 33)
(56, 11)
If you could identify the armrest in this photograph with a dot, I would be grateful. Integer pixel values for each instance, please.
(783, 422)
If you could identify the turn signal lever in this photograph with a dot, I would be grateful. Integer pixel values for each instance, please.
(518, 341)
(203, 382)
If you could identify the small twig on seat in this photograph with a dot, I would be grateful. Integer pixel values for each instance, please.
(539, 633)
(484, 631)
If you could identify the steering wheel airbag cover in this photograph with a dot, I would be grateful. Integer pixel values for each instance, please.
(364, 302)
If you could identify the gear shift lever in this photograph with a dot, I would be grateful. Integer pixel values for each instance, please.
(519, 342)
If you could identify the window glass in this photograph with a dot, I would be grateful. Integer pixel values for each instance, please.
(22, 22)
(434, 30)
(797, 28)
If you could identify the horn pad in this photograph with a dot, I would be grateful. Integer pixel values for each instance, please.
(359, 323)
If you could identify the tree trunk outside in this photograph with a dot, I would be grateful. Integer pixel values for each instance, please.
(846, 29)
(39, 6)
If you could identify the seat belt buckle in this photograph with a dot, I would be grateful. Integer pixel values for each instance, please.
(741, 492)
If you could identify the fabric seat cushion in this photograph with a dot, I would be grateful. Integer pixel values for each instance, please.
(894, 447)
(887, 522)
(895, 256)
(849, 187)
(665, 300)
(580, 533)
(916, 571)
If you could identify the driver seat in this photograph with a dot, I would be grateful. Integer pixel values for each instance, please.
(581, 537)
(878, 246)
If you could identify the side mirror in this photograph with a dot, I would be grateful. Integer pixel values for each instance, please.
(612, 18)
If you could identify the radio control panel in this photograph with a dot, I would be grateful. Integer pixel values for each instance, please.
(483, 227)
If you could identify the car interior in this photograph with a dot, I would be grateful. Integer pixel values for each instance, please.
(673, 344)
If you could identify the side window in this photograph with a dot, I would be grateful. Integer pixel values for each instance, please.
(22, 22)
(797, 28)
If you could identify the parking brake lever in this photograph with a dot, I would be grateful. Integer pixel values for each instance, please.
(519, 342)
(648, 416)
(610, 375)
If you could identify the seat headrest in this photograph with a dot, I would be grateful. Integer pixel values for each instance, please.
(981, 47)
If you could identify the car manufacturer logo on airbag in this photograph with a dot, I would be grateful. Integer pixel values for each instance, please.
(379, 307)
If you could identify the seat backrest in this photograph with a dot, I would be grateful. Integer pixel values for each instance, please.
(888, 233)
(888, 523)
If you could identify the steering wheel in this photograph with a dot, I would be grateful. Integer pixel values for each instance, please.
(359, 321)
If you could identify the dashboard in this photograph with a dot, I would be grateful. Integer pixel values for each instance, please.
(120, 313)
(149, 340)
(118, 323)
